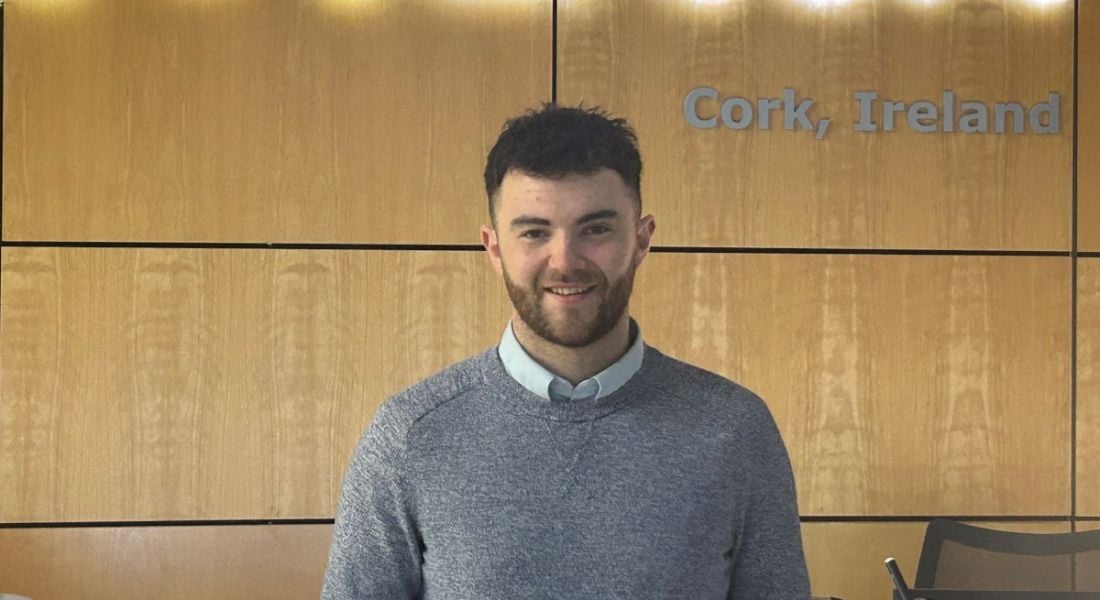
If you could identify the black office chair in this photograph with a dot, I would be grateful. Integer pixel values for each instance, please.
(964, 557)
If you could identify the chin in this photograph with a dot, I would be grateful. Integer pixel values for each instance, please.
(577, 339)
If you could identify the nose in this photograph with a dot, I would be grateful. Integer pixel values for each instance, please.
(565, 255)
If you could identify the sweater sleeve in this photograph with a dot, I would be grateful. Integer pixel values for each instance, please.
(375, 551)
(769, 562)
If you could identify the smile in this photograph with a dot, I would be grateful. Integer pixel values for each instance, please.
(568, 291)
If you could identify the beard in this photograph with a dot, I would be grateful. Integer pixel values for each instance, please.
(577, 327)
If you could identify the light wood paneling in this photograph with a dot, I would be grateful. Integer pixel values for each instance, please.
(904, 385)
(155, 384)
(298, 120)
(136, 563)
(194, 384)
(1088, 387)
(845, 559)
(779, 188)
(1088, 141)
(287, 561)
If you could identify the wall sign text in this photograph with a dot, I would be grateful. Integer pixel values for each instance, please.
(705, 108)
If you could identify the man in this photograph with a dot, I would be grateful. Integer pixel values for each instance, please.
(572, 460)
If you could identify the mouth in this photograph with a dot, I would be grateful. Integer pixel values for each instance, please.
(570, 294)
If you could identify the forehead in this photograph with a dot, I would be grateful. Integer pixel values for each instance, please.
(521, 193)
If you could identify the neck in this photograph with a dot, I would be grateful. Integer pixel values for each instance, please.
(575, 364)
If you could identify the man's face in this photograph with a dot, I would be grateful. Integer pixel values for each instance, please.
(567, 249)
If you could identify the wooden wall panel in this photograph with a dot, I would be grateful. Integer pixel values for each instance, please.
(196, 384)
(1088, 130)
(155, 384)
(845, 559)
(303, 120)
(1088, 387)
(136, 563)
(778, 188)
(904, 385)
(287, 561)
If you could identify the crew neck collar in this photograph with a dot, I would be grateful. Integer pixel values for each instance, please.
(516, 398)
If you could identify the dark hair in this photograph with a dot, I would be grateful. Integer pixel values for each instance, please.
(555, 141)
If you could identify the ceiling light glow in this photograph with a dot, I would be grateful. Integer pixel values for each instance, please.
(827, 3)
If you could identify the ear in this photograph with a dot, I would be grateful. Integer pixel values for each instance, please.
(492, 246)
(646, 225)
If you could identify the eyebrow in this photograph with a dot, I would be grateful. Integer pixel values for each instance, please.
(607, 213)
(525, 220)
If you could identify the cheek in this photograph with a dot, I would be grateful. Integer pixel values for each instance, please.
(615, 260)
(520, 267)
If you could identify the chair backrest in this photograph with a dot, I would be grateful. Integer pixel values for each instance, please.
(964, 557)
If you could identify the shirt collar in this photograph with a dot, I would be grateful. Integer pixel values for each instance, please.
(541, 382)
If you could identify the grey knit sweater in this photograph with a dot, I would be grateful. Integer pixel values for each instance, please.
(468, 486)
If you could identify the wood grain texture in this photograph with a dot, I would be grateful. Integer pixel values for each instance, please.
(1088, 387)
(303, 120)
(778, 188)
(903, 385)
(1088, 130)
(136, 563)
(845, 559)
(156, 384)
(214, 384)
(287, 561)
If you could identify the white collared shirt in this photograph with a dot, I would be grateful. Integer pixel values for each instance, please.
(540, 381)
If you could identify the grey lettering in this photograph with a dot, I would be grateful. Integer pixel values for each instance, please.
(691, 112)
(705, 108)
(889, 108)
(922, 116)
(797, 113)
(727, 113)
(975, 121)
(1000, 112)
(763, 108)
(1050, 108)
(866, 103)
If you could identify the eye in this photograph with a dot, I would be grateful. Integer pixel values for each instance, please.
(532, 234)
(597, 229)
